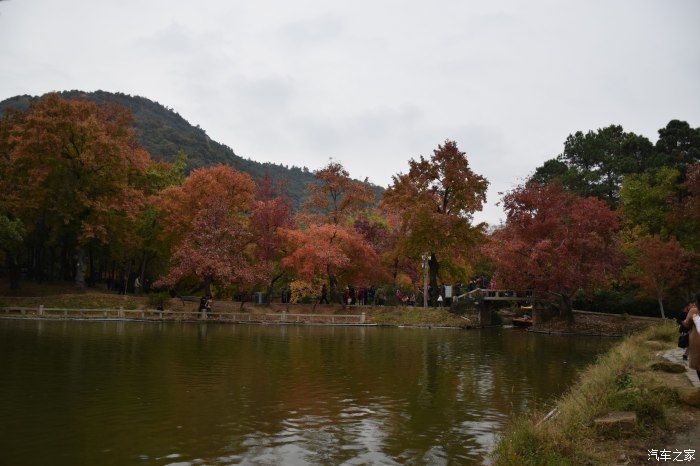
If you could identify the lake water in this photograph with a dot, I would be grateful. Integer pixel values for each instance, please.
(103, 393)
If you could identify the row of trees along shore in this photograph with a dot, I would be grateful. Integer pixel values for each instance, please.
(82, 201)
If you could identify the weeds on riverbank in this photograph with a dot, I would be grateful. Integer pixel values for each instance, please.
(619, 381)
(87, 300)
(418, 316)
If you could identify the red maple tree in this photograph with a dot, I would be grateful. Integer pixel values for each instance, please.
(270, 215)
(659, 265)
(208, 225)
(327, 244)
(554, 242)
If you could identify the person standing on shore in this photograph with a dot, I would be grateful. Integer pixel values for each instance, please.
(370, 295)
(682, 330)
(353, 296)
(203, 306)
(324, 295)
(208, 304)
(692, 322)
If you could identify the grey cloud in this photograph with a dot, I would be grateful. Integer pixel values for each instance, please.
(313, 30)
(373, 82)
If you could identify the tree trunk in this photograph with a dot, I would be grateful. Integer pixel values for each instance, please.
(142, 272)
(113, 277)
(396, 270)
(207, 286)
(271, 285)
(80, 268)
(91, 275)
(127, 277)
(38, 263)
(12, 270)
(433, 266)
(65, 263)
(101, 272)
(331, 282)
(425, 284)
(566, 310)
(661, 305)
(52, 263)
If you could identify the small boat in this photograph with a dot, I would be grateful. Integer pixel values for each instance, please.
(522, 322)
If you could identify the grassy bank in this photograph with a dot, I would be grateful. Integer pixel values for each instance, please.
(86, 300)
(417, 316)
(621, 380)
(60, 297)
(597, 324)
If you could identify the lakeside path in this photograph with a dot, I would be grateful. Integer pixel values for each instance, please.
(593, 324)
(329, 315)
(58, 304)
(675, 355)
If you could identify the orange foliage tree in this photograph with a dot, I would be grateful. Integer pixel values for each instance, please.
(335, 197)
(71, 172)
(321, 248)
(208, 227)
(327, 244)
(434, 204)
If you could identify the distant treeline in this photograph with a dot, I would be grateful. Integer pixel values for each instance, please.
(612, 219)
(654, 187)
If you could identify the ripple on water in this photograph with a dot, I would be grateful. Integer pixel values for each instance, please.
(80, 393)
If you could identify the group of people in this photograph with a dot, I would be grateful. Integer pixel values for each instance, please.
(350, 295)
(361, 296)
(356, 296)
(690, 334)
(405, 299)
(482, 282)
(369, 295)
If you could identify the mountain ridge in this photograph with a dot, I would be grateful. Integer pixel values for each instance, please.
(163, 132)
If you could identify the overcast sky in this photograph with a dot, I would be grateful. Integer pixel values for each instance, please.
(372, 83)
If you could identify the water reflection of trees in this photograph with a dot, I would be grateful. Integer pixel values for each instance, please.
(337, 392)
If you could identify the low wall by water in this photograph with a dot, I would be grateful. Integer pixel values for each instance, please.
(283, 317)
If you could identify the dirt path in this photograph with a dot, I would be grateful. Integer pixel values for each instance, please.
(676, 355)
(688, 440)
(687, 435)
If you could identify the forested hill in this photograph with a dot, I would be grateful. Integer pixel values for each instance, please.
(162, 132)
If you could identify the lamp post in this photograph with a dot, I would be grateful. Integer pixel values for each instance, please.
(424, 257)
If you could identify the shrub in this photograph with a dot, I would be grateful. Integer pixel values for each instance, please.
(158, 299)
(522, 445)
(649, 406)
(667, 332)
